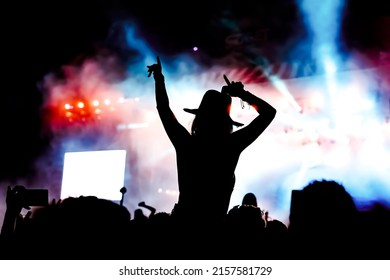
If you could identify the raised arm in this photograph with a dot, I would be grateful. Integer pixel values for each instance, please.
(150, 208)
(162, 100)
(173, 128)
(248, 134)
(14, 202)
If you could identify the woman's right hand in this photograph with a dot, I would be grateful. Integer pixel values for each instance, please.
(155, 69)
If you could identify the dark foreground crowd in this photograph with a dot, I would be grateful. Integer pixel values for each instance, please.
(324, 224)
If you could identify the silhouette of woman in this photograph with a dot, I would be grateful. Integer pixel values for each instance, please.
(207, 156)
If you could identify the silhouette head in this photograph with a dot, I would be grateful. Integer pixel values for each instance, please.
(213, 114)
(249, 199)
(139, 215)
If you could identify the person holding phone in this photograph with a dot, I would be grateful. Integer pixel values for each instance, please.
(208, 154)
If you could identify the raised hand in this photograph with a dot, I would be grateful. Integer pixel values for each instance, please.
(15, 204)
(150, 208)
(155, 68)
(15, 199)
(234, 89)
(142, 204)
(23, 222)
(123, 190)
(55, 203)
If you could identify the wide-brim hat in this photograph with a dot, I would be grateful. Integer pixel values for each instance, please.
(214, 100)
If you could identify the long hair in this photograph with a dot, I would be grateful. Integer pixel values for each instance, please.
(217, 125)
(212, 117)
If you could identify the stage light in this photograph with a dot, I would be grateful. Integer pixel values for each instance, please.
(330, 66)
(282, 88)
(95, 103)
(80, 105)
(67, 106)
(107, 101)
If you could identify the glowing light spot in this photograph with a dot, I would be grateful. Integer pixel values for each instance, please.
(68, 114)
(136, 125)
(159, 190)
(195, 49)
(330, 66)
(80, 105)
(95, 103)
(107, 101)
(97, 111)
(121, 100)
(67, 106)
(136, 99)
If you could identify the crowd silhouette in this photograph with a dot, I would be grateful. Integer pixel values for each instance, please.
(324, 222)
